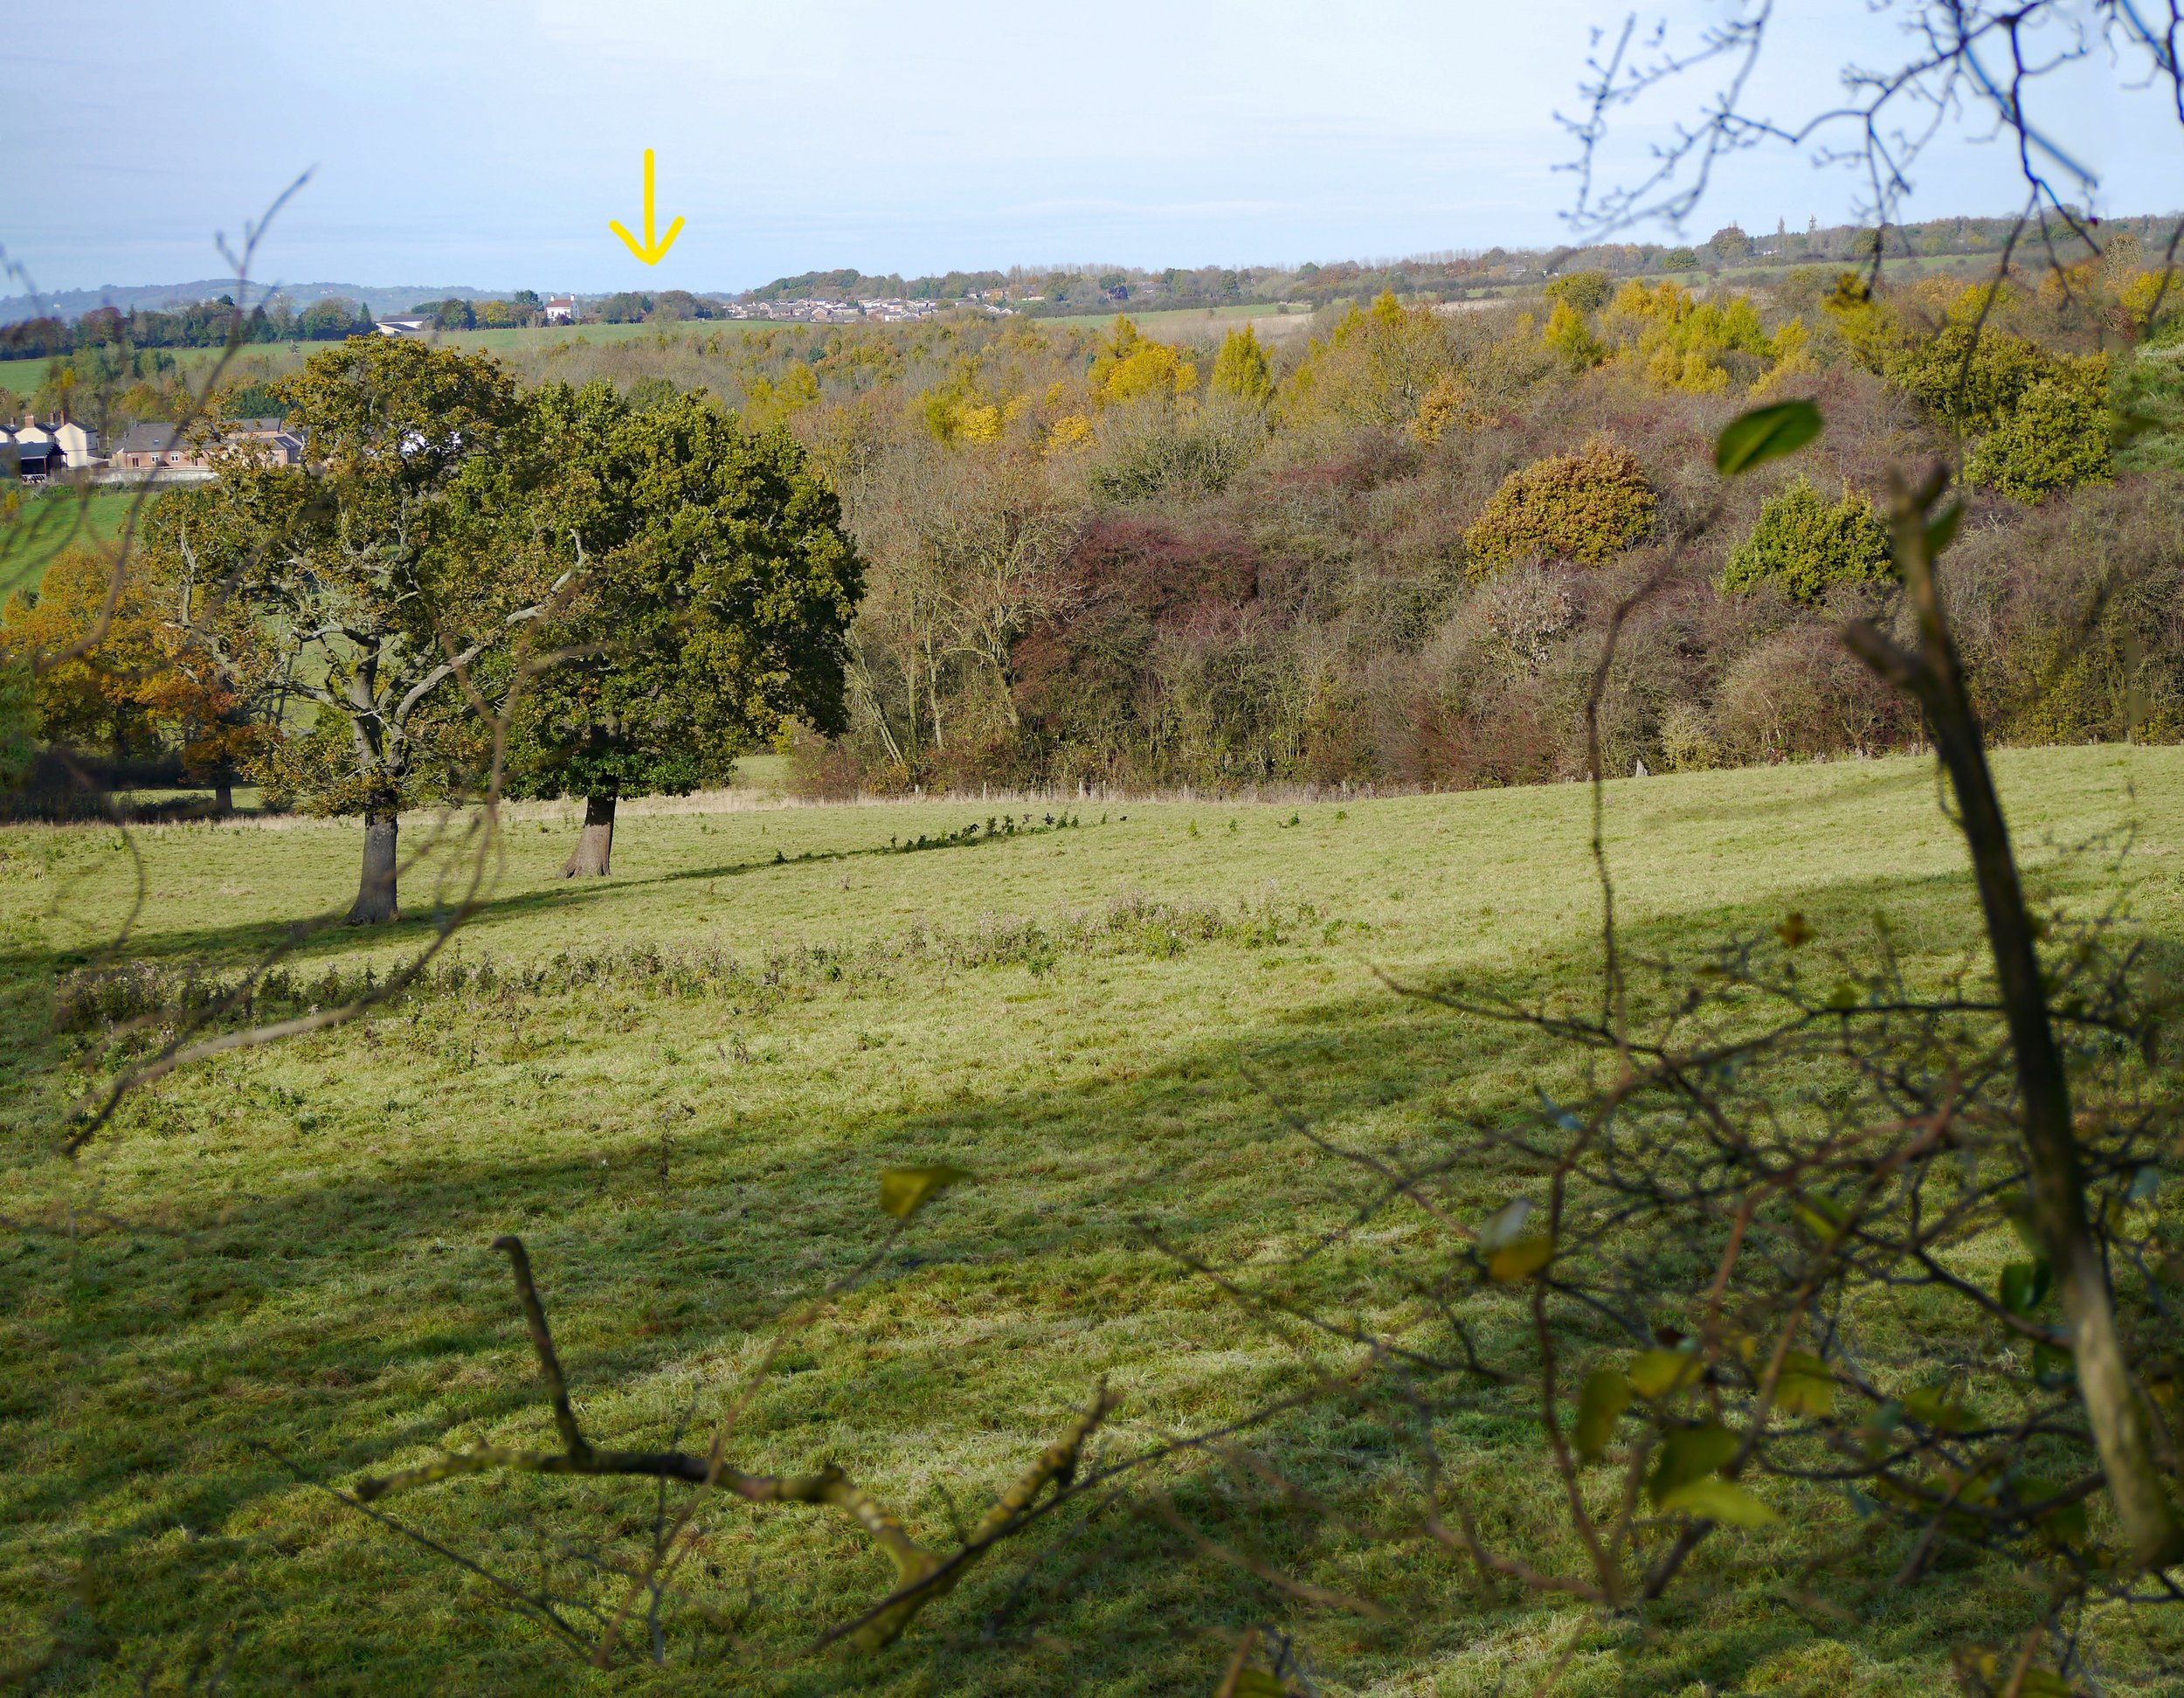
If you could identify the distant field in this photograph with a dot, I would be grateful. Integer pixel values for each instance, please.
(1262, 318)
(277, 1264)
(51, 520)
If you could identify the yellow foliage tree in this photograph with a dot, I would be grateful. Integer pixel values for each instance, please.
(1129, 366)
(1071, 430)
(1678, 340)
(1572, 338)
(1241, 367)
(1377, 368)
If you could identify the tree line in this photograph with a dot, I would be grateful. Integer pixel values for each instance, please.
(469, 588)
(1382, 554)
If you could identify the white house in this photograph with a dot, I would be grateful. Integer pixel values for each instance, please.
(78, 447)
(411, 327)
(59, 444)
(560, 309)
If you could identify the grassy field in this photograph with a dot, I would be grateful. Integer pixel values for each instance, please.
(53, 520)
(1274, 320)
(276, 1263)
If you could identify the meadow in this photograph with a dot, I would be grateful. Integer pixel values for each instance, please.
(271, 1272)
(56, 519)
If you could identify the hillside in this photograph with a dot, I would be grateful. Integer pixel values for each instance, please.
(285, 1280)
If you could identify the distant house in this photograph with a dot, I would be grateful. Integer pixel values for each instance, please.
(79, 446)
(560, 309)
(40, 450)
(411, 327)
(163, 450)
(34, 462)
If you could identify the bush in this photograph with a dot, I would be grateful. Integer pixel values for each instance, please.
(1586, 290)
(2055, 437)
(1805, 545)
(1582, 507)
(1154, 448)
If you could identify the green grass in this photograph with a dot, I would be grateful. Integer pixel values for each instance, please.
(279, 1257)
(53, 520)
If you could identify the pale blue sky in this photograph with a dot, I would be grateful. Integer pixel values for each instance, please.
(489, 141)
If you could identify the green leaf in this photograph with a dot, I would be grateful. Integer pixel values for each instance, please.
(2065, 1523)
(1601, 1405)
(1766, 433)
(1521, 1259)
(1805, 1386)
(1823, 1216)
(1257, 1683)
(1943, 531)
(1719, 1500)
(1507, 1225)
(1691, 1454)
(903, 1192)
(1795, 931)
(1656, 1374)
(2043, 1683)
(2018, 1211)
(1930, 1406)
(2052, 1366)
(2025, 1284)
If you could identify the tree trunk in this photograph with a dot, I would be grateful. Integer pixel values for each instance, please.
(223, 792)
(2122, 1429)
(374, 892)
(594, 853)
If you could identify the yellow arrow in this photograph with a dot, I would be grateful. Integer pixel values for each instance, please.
(650, 252)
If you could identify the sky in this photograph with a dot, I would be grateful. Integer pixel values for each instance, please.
(488, 142)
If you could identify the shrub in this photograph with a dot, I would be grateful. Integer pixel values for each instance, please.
(1805, 545)
(1240, 369)
(1582, 507)
(1573, 338)
(1129, 367)
(1970, 376)
(1153, 448)
(1586, 291)
(2055, 437)
(1800, 694)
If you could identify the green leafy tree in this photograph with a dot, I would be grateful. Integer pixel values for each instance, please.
(1586, 291)
(1968, 376)
(1572, 338)
(377, 576)
(1582, 507)
(713, 606)
(1729, 243)
(1806, 545)
(1241, 367)
(2055, 437)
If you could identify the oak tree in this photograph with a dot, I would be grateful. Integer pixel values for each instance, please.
(714, 604)
(372, 567)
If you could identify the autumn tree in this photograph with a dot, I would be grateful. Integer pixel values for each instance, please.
(1240, 369)
(1129, 366)
(168, 675)
(717, 593)
(376, 575)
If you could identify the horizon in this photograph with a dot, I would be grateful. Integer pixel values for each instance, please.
(1215, 135)
(12, 306)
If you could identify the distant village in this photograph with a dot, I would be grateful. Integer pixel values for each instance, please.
(38, 451)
